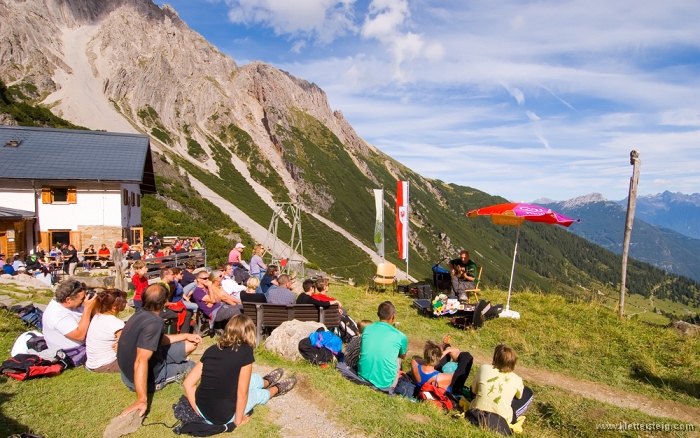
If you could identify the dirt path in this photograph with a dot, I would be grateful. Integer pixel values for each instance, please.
(596, 391)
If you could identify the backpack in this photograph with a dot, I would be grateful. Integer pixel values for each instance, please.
(347, 328)
(31, 316)
(315, 355)
(422, 292)
(440, 397)
(240, 274)
(30, 366)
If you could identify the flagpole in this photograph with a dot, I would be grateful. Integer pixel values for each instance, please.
(382, 205)
(408, 221)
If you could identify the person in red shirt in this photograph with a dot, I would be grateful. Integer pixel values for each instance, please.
(103, 255)
(321, 293)
(140, 282)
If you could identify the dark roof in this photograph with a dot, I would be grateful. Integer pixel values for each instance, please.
(14, 214)
(73, 155)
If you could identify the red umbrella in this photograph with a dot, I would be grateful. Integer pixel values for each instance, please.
(514, 214)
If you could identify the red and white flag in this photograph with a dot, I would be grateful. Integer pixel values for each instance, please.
(402, 218)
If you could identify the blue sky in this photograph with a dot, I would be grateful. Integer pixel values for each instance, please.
(522, 99)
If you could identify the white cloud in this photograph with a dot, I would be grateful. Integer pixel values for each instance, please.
(298, 45)
(532, 116)
(385, 22)
(324, 19)
(517, 94)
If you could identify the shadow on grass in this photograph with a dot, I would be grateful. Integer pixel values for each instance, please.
(9, 426)
(679, 385)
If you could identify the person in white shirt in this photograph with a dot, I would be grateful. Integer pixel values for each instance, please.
(104, 331)
(228, 283)
(67, 318)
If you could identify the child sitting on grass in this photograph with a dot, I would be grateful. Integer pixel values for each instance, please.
(500, 399)
(352, 350)
(430, 368)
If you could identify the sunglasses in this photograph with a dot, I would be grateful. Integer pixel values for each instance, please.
(78, 285)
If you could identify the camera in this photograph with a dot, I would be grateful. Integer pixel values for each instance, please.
(89, 293)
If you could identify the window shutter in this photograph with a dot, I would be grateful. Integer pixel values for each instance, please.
(138, 200)
(125, 195)
(133, 199)
(72, 195)
(45, 195)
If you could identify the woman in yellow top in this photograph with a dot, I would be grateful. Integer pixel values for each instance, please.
(499, 394)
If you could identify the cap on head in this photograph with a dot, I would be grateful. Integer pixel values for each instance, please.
(239, 246)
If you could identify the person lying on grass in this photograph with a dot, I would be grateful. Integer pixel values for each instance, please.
(430, 368)
(500, 398)
(228, 389)
(148, 358)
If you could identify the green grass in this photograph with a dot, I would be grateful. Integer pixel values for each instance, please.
(572, 338)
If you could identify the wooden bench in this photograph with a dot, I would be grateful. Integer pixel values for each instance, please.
(269, 316)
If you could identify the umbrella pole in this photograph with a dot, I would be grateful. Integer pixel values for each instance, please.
(512, 271)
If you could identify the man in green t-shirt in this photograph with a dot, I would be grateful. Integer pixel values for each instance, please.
(464, 275)
(382, 349)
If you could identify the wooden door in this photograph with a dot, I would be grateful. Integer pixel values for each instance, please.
(3, 244)
(76, 240)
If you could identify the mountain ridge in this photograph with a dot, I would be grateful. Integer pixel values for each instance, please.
(255, 135)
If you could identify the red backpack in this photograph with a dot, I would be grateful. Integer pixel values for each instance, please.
(440, 397)
(30, 366)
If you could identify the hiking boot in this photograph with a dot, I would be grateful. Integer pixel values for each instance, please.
(285, 385)
(274, 376)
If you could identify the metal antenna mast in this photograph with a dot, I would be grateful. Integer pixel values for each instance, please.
(290, 257)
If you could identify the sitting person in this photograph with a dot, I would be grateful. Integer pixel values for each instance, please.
(382, 349)
(209, 301)
(281, 294)
(269, 278)
(257, 267)
(65, 321)
(7, 268)
(179, 291)
(33, 263)
(308, 296)
(250, 294)
(148, 358)
(352, 350)
(188, 275)
(44, 275)
(228, 282)
(464, 275)
(320, 293)
(174, 310)
(500, 397)
(429, 370)
(89, 257)
(104, 331)
(103, 255)
(17, 263)
(221, 400)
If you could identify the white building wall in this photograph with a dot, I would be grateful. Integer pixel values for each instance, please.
(131, 214)
(93, 207)
(17, 198)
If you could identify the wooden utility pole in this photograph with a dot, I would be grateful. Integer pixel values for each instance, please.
(631, 204)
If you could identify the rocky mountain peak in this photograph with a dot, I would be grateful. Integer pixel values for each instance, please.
(583, 200)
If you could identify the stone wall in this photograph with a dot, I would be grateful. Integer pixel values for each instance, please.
(97, 235)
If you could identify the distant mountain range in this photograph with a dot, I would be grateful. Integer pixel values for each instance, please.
(675, 211)
(603, 221)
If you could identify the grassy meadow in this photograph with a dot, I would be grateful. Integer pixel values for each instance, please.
(579, 339)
